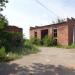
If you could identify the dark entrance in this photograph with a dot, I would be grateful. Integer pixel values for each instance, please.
(55, 42)
(55, 36)
(44, 33)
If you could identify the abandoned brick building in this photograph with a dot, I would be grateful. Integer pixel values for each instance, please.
(17, 34)
(63, 33)
(13, 29)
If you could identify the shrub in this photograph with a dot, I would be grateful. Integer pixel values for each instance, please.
(12, 56)
(36, 41)
(48, 41)
(11, 40)
(2, 54)
(29, 48)
(6, 56)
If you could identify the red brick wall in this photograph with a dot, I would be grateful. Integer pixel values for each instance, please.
(64, 31)
(13, 29)
(32, 35)
(63, 34)
(71, 25)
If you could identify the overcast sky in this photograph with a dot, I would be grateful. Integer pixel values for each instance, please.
(26, 13)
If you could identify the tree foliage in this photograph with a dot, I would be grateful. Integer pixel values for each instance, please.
(3, 25)
(2, 4)
(3, 22)
(58, 20)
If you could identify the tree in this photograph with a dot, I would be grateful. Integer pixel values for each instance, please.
(2, 4)
(58, 20)
(3, 25)
(3, 22)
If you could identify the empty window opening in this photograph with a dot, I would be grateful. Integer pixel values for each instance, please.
(35, 34)
(44, 33)
(54, 32)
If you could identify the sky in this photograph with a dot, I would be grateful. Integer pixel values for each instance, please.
(26, 13)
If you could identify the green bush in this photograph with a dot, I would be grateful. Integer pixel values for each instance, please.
(29, 48)
(36, 41)
(11, 56)
(48, 41)
(2, 54)
(8, 56)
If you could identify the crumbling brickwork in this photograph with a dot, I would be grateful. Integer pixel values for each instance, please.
(13, 29)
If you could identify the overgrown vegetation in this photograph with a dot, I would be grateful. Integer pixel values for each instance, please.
(36, 41)
(46, 41)
(70, 46)
(29, 47)
(2, 54)
(12, 45)
(49, 42)
(17, 51)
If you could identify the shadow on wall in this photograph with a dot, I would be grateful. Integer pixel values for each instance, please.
(36, 69)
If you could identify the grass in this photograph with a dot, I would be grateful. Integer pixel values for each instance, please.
(66, 47)
(28, 48)
(71, 46)
(12, 56)
(61, 46)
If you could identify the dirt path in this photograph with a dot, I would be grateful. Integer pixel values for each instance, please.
(50, 61)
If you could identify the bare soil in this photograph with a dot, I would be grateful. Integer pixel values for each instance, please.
(50, 61)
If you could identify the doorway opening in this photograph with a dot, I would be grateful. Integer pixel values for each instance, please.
(44, 33)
